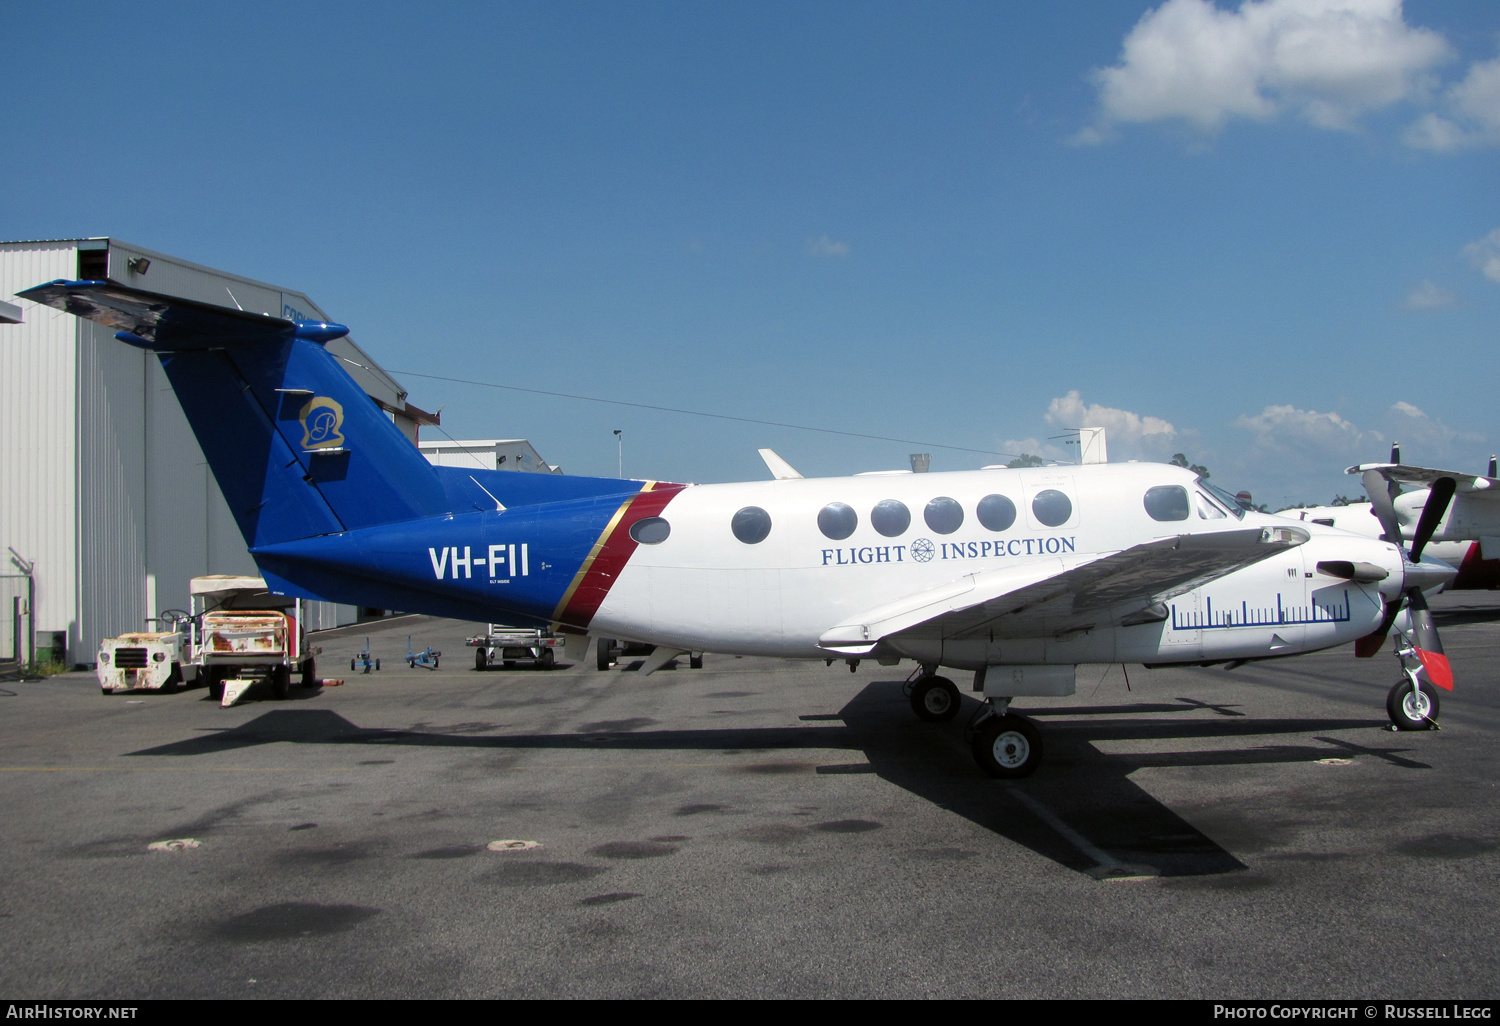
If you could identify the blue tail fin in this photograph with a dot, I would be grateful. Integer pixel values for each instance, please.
(298, 448)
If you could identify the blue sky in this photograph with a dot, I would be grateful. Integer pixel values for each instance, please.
(1266, 235)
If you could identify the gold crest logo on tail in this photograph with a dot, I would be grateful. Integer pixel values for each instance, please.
(321, 419)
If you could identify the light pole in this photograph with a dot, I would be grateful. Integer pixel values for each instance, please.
(620, 443)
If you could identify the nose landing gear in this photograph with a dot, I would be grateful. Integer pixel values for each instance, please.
(1410, 705)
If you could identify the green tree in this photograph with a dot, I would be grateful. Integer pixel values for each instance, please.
(1026, 459)
(1179, 460)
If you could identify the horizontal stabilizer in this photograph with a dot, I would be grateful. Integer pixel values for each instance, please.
(170, 323)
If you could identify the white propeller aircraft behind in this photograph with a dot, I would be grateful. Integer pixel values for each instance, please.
(1467, 536)
(1017, 576)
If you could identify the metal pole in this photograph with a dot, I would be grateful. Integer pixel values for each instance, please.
(621, 443)
(31, 619)
(15, 627)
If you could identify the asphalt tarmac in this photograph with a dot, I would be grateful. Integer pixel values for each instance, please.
(756, 828)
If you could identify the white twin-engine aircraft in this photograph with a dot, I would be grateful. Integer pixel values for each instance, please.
(1017, 576)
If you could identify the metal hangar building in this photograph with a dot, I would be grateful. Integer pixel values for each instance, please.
(107, 507)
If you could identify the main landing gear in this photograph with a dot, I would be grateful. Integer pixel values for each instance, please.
(1004, 745)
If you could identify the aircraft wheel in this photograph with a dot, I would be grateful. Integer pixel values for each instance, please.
(1008, 747)
(695, 662)
(1410, 709)
(935, 699)
(605, 652)
(480, 662)
(281, 681)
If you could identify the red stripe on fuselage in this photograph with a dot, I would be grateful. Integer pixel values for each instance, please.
(613, 554)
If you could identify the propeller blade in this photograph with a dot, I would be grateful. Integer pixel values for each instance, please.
(1368, 645)
(1425, 638)
(1438, 498)
(1381, 491)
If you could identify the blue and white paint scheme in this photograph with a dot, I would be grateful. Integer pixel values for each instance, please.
(1017, 575)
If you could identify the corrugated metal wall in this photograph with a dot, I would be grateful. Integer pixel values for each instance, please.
(112, 475)
(37, 413)
(104, 485)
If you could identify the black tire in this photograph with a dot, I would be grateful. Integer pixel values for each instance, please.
(547, 660)
(695, 662)
(1007, 747)
(1410, 711)
(509, 664)
(436, 662)
(174, 679)
(605, 652)
(377, 664)
(935, 699)
(214, 681)
(104, 690)
(310, 673)
(480, 662)
(351, 664)
(281, 682)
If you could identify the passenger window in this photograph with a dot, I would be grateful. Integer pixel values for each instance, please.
(1052, 507)
(837, 521)
(890, 517)
(1167, 502)
(944, 515)
(1206, 508)
(751, 525)
(996, 512)
(650, 531)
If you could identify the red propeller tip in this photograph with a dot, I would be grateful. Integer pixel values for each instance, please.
(1438, 670)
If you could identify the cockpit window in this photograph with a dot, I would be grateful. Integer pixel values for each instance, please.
(1224, 499)
(1167, 502)
(1207, 508)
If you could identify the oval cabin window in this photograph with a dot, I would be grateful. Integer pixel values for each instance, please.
(1052, 507)
(837, 520)
(650, 531)
(890, 517)
(996, 512)
(751, 525)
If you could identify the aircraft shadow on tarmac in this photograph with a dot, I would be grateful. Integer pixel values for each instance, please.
(1081, 809)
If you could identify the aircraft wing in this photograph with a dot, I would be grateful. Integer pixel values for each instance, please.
(1425, 477)
(1053, 596)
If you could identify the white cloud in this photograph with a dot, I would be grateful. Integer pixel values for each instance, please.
(1126, 433)
(1473, 113)
(1424, 440)
(1486, 254)
(1428, 295)
(823, 246)
(1288, 431)
(1327, 60)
